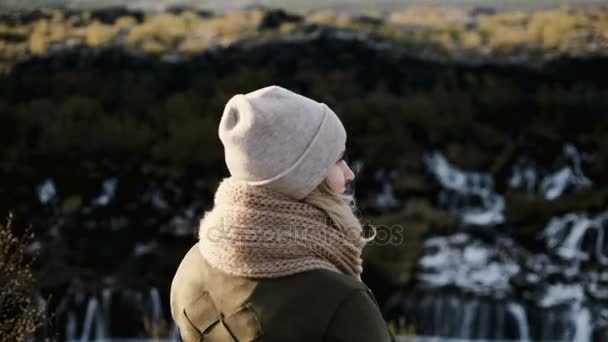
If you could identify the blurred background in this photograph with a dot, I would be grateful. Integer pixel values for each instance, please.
(478, 130)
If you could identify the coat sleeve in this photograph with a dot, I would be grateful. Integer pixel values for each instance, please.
(181, 292)
(357, 319)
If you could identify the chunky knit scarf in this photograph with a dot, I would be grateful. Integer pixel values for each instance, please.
(256, 232)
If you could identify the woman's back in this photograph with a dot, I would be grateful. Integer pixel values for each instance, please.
(279, 256)
(317, 305)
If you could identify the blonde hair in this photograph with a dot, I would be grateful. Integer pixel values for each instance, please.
(339, 207)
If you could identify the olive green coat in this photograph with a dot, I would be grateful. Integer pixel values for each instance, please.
(320, 305)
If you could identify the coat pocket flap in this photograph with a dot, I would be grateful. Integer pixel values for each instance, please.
(202, 313)
(244, 323)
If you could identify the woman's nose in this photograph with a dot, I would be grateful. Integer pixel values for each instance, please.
(350, 175)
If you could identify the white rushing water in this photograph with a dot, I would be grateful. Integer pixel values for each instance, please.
(386, 198)
(564, 236)
(565, 286)
(469, 195)
(528, 175)
(467, 263)
(108, 190)
(522, 322)
(472, 197)
(95, 322)
(47, 191)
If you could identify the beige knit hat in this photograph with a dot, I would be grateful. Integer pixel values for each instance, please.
(280, 139)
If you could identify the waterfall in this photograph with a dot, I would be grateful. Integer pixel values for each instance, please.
(500, 322)
(156, 304)
(108, 189)
(483, 321)
(564, 236)
(123, 310)
(583, 329)
(462, 189)
(174, 336)
(556, 291)
(518, 312)
(47, 191)
(469, 314)
(70, 327)
(385, 198)
(530, 176)
(106, 295)
(93, 317)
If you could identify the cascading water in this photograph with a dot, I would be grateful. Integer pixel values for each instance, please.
(479, 282)
(106, 307)
(485, 284)
(102, 316)
(463, 191)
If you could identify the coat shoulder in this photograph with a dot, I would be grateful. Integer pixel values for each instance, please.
(320, 298)
(187, 281)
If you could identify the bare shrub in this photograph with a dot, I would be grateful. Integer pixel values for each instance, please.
(19, 316)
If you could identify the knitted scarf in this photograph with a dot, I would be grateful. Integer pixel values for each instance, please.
(256, 232)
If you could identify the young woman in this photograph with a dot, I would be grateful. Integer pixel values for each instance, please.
(279, 254)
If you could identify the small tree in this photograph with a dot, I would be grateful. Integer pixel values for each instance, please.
(19, 317)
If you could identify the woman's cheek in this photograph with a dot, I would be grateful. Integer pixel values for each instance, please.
(334, 179)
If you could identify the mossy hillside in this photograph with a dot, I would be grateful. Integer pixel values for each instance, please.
(162, 118)
(439, 34)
